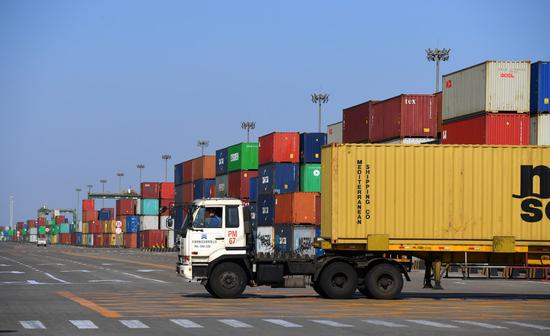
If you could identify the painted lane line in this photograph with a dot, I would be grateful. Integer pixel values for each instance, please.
(57, 279)
(235, 323)
(283, 323)
(73, 271)
(149, 270)
(385, 323)
(186, 323)
(460, 282)
(481, 324)
(134, 324)
(34, 282)
(433, 324)
(332, 323)
(4, 265)
(11, 272)
(114, 280)
(32, 325)
(143, 278)
(529, 325)
(83, 324)
(51, 264)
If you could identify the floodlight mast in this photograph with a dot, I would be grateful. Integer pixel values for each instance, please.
(437, 55)
(247, 126)
(166, 157)
(140, 166)
(320, 99)
(203, 144)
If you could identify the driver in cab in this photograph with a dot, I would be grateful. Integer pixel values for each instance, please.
(212, 220)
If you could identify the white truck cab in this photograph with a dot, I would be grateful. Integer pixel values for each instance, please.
(212, 229)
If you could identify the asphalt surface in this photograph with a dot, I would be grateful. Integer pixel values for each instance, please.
(65, 290)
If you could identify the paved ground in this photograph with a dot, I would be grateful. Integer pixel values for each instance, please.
(69, 290)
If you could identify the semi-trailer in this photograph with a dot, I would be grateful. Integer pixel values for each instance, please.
(440, 203)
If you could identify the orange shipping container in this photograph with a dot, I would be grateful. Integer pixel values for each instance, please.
(204, 167)
(298, 208)
(130, 240)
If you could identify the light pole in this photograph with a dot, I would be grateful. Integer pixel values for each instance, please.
(103, 181)
(436, 55)
(11, 212)
(247, 126)
(166, 157)
(140, 166)
(78, 190)
(320, 99)
(89, 186)
(120, 175)
(203, 144)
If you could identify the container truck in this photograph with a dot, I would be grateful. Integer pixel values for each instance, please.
(441, 203)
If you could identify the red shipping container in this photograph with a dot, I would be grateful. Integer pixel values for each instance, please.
(31, 223)
(88, 215)
(150, 190)
(98, 240)
(188, 191)
(167, 190)
(279, 147)
(356, 122)
(65, 238)
(95, 227)
(439, 110)
(59, 219)
(404, 116)
(298, 208)
(204, 167)
(88, 205)
(125, 207)
(238, 184)
(188, 171)
(130, 240)
(166, 203)
(488, 129)
(41, 221)
(153, 238)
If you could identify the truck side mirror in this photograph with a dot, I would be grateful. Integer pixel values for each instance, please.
(169, 222)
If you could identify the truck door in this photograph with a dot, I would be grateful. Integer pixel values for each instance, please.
(234, 231)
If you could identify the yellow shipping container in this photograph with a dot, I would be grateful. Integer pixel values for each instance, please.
(109, 226)
(411, 197)
(85, 228)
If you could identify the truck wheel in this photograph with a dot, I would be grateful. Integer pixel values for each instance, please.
(364, 290)
(317, 288)
(384, 281)
(227, 280)
(209, 290)
(338, 281)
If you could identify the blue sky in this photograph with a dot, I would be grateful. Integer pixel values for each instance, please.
(89, 88)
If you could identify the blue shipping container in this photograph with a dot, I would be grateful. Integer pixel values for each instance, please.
(78, 238)
(178, 174)
(221, 161)
(278, 178)
(253, 189)
(104, 215)
(253, 215)
(201, 188)
(132, 224)
(310, 147)
(283, 238)
(540, 87)
(266, 210)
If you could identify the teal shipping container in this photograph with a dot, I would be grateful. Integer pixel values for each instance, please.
(149, 206)
(65, 228)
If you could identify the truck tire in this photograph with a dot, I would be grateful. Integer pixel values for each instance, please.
(209, 290)
(318, 290)
(338, 281)
(227, 280)
(383, 281)
(365, 291)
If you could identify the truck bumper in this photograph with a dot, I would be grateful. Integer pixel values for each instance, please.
(185, 271)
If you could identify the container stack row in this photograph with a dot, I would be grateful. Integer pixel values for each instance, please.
(235, 166)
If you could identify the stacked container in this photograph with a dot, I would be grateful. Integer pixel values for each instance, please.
(203, 173)
(242, 166)
(149, 211)
(126, 208)
(221, 173)
(310, 161)
(334, 133)
(278, 173)
(166, 204)
(356, 123)
(540, 103)
(487, 104)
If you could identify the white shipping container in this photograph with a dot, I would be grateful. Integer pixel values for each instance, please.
(163, 225)
(265, 239)
(148, 223)
(334, 133)
(33, 231)
(540, 129)
(492, 86)
(33, 238)
(409, 141)
(89, 240)
(78, 226)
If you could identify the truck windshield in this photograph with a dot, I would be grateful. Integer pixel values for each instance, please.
(187, 220)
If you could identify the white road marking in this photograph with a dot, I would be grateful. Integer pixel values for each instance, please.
(235, 323)
(283, 323)
(114, 280)
(481, 324)
(433, 324)
(11, 272)
(106, 264)
(460, 282)
(529, 325)
(332, 323)
(74, 271)
(34, 282)
(32, 325)
(134, 324)
(83, 324)
(143, 278)
(51, 264)
(148, 271)
(57, 279)
(385, 323)
(4, 265)
(186, 323)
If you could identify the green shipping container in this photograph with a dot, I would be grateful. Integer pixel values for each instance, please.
(310, 177)
(54, 229)
(11, 233)
(149, 207)
(41, 230)
(243, 156)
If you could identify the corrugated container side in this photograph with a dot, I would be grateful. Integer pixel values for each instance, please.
(265, 240)
(540, 129)
(310, 147)
(204, 168)
(279, 147)
(239, 183)
(540, 87)
(278, 178)
(429, 193)
(150, 189)
(243, 156)
(356, 122)
(297, 208)
(203, 188)
(222, 185)
(221, 161)
(335, 133)
(266, 210)
(188, 171)
(188, 193)
(439, 109)
(178, 174)
(167, 190)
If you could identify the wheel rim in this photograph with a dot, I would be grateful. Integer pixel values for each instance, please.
(229, 280)
(385, 283)
(339, 280)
